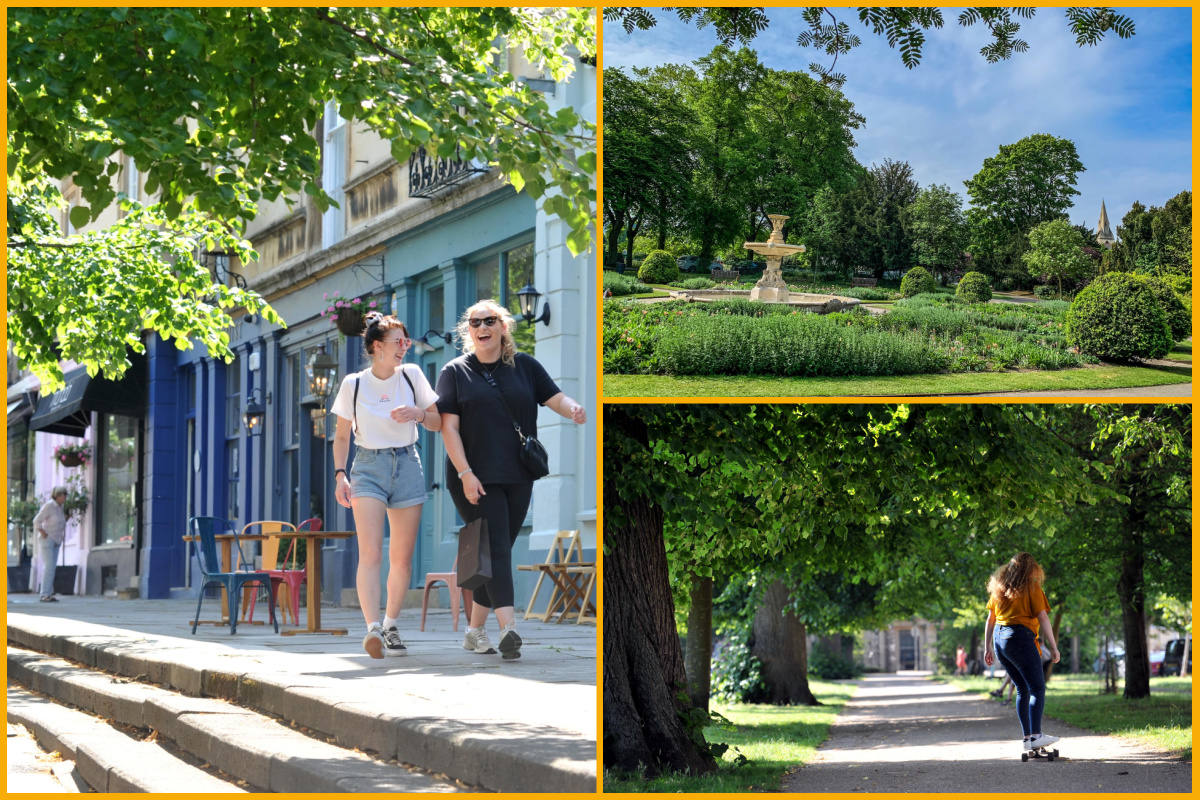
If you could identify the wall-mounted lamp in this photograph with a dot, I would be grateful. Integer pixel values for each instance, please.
(528, 298)
(423, 345)
(254, 414)
(322, 372)
(318, 421)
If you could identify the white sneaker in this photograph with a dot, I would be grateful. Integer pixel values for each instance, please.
(373, 642)
(392, 644)
(1025, 745)
(478, 642)
(1041, 740)
(510, 643)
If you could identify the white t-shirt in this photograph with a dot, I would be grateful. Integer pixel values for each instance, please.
(376, 399)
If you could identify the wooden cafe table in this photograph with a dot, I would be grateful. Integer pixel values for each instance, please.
(312, 567)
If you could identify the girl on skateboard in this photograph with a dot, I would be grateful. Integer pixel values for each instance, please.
(1017, 613)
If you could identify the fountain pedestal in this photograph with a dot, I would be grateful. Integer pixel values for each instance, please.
(771, 287)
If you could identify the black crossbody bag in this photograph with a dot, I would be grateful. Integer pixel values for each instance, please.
(533, 454)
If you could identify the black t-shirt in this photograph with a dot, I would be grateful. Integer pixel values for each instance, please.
(492, 446)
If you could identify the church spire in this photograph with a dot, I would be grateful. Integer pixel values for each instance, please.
(1103, 231)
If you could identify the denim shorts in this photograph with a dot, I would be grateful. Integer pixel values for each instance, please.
(392, 476)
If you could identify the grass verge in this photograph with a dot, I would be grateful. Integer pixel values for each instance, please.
(774, 739)
(645, 295)
(1181, 351)
(1099, 377)
(1162, 721)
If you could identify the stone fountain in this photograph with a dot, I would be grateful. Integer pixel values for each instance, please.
(771, 287)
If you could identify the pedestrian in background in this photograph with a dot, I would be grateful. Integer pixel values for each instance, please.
(50, 524)
(489, 399)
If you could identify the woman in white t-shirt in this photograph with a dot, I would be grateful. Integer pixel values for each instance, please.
(383, 406)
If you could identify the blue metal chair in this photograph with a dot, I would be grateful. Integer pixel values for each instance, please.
(205, 529)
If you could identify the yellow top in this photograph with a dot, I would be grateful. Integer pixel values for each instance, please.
(1021, 610)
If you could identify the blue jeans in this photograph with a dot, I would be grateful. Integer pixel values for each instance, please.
(1017, 652)
(48, 548)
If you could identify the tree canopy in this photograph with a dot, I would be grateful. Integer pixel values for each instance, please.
(218, 109)
(903, 27)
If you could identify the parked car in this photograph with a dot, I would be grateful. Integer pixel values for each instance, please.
(688, 263)
(1156, 662)
(1117, 654)
(1173, 657)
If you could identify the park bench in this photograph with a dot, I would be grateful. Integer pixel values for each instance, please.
(725, 274)
(864, 282)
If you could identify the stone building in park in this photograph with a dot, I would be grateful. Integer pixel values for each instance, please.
(425, 239)
(1104, 233)
(903, 645)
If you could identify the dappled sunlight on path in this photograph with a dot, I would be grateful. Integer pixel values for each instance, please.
(908, 733)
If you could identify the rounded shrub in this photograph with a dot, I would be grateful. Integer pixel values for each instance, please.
(1178, 317)
(916, 281)
(974, 288)
(1118, 318)
(659, 267)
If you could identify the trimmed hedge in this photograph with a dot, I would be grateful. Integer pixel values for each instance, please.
(974, 288)
(1178, 317)
(659, 267)
(694, 283)
(1117, 317)
(620, 284)
(917, 281)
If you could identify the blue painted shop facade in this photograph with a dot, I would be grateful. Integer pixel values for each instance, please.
(199, 458)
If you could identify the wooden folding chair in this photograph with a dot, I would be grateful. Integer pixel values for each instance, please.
(566, 548)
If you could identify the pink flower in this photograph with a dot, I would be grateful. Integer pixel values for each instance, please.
(333, 318)
(323, 312)
(325, 296)
(373, 304)
(356, 300)
(337, 294)
(340, 303)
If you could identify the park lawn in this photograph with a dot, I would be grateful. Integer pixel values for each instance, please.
(1162, 721)
(1104, 376)
(648, 295)
(1181, 351)
(774, 738)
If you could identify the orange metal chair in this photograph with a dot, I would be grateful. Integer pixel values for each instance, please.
(451, 581)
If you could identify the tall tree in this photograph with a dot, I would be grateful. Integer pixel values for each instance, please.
(1056, 252)
(893, 190)
(1026, 183)
(938, 229)
(1156, 240)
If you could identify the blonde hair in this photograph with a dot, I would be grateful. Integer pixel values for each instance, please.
(1016, 578)
(508, 346)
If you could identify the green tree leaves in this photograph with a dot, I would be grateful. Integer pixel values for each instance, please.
(1056, 251)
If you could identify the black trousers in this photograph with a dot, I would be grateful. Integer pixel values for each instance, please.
(504, 506)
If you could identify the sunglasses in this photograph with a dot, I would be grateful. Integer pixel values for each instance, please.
(489, 321)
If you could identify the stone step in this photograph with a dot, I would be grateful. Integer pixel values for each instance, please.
(492, 753)
(107, 759)
(262, 751)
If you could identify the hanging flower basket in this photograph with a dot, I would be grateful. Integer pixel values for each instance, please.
(71, 455)
(348, 315)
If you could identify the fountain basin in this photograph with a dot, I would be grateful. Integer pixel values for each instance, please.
(802, 301)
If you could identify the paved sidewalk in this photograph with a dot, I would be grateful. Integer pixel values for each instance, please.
(908, 733)
(541, 707)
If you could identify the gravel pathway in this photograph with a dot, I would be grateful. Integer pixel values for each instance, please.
(908, 733)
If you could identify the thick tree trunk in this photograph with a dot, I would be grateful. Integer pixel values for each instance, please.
(614, 235)
(1048, 667)
(699, 642)
(780, 642)
(644, 677)
(1187, 652)
(1074, 655)
(973, 661)
(1132, 593)
(635, 227)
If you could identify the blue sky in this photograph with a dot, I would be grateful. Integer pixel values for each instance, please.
(1126, 103)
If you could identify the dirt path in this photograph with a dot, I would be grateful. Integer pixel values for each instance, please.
(908, 733)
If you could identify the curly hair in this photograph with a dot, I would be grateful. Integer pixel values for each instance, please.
(376, 327)
(508, 346)
(1016, 578)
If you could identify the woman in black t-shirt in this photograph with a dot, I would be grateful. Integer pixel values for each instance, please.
(485, 475)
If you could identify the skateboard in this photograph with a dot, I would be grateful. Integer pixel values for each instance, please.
(1039, 752)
